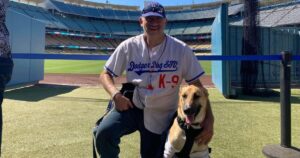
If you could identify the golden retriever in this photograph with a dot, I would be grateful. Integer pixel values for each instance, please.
(191, 113)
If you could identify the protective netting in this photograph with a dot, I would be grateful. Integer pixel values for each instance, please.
(250, 46)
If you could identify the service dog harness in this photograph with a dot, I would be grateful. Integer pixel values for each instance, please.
(191, 134)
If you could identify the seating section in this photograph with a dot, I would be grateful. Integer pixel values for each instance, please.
(101, 26)
(38, 13)
(75, 51)
(177, 28)
(279, 15)
(194, 14)
(132, 28)
(81, 43)
(105, 13)
(125, 22)
(191, 14)
(122, 15)
(87, 44)
(116, 27)
(125, 25)
(200, 45)
(292, 17)
(186, 24)
(273, 16)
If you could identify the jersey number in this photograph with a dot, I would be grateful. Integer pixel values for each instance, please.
(162, 81)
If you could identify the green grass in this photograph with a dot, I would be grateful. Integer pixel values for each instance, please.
(89, 66)
(74, 66)
(47, 122)
(206, 65)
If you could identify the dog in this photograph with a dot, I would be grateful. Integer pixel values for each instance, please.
(191, 112)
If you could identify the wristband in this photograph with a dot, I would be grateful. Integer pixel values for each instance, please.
(114, 94)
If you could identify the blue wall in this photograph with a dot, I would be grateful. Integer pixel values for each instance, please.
(227, 40)
(272, 42)
(26, 36)
(220, 71)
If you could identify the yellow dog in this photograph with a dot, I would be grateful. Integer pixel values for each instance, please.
(191, 113)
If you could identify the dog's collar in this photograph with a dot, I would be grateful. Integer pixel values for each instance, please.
(185, 127)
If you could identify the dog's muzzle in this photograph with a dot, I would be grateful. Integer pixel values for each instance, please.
(191, 112)
(191, 109)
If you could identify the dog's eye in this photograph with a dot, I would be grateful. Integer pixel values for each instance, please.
(196, 96)
(184, 96)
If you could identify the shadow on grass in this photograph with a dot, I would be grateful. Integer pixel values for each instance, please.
(64, 98)
(38, 92)
(267, 96)
(296, 148)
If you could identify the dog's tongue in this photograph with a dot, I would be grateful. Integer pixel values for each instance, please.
(189, 119)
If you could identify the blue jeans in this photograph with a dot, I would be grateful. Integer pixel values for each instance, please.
(117, 124)
(6, 67)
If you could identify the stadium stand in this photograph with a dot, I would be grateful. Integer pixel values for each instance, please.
(202, 46)
(86, 26)
(275, 15)
(80, 43)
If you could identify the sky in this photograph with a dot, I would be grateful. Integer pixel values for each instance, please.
(163, 2)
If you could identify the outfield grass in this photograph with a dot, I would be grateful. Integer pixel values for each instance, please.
(74, 66)
(47, 122)
(89, 66)
(206, 65)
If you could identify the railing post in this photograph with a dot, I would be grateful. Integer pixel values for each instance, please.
(285, 97)
(285, 149)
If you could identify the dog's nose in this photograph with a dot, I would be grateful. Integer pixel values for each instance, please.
(188, 110)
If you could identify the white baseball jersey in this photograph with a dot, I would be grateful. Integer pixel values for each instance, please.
(158, 72)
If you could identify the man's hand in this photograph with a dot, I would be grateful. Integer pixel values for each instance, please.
(121, 102)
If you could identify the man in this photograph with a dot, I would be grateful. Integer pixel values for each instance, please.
(156, 63)
(6, 63)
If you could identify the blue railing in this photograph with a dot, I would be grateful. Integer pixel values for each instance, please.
(105, 57)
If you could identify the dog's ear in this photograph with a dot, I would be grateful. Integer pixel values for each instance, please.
(181, 90)
(203, 91)
(207, 94)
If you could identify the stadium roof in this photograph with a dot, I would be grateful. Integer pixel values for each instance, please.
(128, 7)
(201, 6)
(92, 4)
(276, 14)
(262, 3)
(31, 1)
(285, 14)
(192, 6)
(102, 5)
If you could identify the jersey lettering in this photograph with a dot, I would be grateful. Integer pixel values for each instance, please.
(175, 80)
(162, 81)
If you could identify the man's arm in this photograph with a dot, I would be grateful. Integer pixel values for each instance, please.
(121, 102)
(208, 123)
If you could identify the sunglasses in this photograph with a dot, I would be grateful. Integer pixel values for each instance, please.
(156, 9)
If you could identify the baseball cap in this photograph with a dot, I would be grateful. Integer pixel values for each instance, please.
(153, 9)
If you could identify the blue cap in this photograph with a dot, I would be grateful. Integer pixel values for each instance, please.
(153, 9)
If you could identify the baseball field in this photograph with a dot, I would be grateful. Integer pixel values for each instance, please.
(46, 121)
(90, 67)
